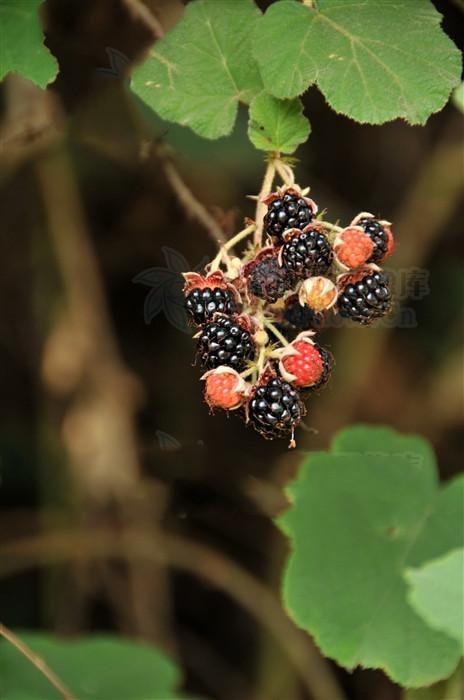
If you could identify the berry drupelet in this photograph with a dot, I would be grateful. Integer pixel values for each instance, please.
(307, 253)
(290, 210)
(224, 341)
(202, 304)
(365, 298)
(276, 409)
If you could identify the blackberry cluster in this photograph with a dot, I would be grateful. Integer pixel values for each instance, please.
(265, 362)
(202, 304)
(307, 253)
(225, 342)
(269, 281)
(276, 409)
(378, 236)
(288, 211)
(365, 300)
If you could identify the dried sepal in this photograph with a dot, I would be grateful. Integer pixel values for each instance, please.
(319, 293)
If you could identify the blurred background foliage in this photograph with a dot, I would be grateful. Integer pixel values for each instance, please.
(103, 423)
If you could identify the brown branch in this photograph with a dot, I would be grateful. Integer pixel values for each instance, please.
(193, 207)
(139, 11)
(200, 561)
(36, 661)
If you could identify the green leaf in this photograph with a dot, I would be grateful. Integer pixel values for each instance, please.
(199, 72)
(374, 60)
(437, 590)
(95, 668)
(22, 48)
(277, 125)
(362, 514)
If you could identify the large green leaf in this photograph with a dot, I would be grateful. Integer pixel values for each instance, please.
(22, 47)
(361, 515)
(277, 125)
(374, 60)
(199, 72)
(95, 668)
(437, 593)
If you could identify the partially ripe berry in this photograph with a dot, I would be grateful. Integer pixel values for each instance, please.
(225, 388)
(380, 233)
(319, 293)
(353, 247)
(304, 363)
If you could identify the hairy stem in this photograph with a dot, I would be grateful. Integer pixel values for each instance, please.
(266, 190)
(285, 172)
(36, 661)
(229, 245)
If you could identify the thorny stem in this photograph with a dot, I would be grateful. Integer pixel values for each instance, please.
(230, 244)
(36, 661)
(266, 190)
(276, 332)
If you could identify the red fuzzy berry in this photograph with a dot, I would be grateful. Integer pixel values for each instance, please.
(224, 388)
(353, 247)
(305, 364)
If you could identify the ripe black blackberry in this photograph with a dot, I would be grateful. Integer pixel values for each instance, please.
(268, 281)
(307, 253)
(302, 317)
(276, 409)
(289, 211)
(202, 304)
(378, 236)
(366, 300)
(224, 342)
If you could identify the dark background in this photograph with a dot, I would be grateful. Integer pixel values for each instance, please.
(85, 382)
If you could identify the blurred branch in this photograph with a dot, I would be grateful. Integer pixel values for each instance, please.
(139, 10)
(193, 207)
(99, 427)
(81, 360)
(36, 661)
(198, 560)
